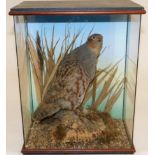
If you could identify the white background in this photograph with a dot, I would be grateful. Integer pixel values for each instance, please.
(14, 127)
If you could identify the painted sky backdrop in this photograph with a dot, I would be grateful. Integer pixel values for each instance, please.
(114, 42)
(114, 32)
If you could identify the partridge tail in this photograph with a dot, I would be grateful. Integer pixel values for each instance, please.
(44, 111)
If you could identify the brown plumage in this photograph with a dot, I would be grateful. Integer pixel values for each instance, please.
(67, 89)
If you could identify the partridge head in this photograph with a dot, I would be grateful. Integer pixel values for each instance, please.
(95, 42)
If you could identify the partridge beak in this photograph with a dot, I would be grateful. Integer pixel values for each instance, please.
(100, 38)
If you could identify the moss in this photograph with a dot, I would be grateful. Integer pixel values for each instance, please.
(108, 120)
(92, 116)
(108, 135)
(60, 132)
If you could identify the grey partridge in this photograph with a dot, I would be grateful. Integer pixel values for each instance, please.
(75, 72)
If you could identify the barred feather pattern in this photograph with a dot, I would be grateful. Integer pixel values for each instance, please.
(69, 84)
(66, 90)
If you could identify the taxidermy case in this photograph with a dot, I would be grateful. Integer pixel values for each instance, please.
(77, 67)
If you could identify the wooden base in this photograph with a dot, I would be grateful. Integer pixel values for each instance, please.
(77, 151)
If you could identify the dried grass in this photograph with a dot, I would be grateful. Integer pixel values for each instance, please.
(35, 61)
(114, 97)
(105, 90)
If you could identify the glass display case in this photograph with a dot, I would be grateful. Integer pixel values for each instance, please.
(77, 67)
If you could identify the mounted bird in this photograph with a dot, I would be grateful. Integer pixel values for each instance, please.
(71, 80)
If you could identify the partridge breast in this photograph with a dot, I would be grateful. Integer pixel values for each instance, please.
(69, 84)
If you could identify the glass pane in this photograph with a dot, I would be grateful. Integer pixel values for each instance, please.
(46, 44)
(23, 72)
(131, 71)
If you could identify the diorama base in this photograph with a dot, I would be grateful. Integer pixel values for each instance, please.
(71, 151)
(78, 132)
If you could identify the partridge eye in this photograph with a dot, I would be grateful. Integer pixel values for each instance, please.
(93, 37)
